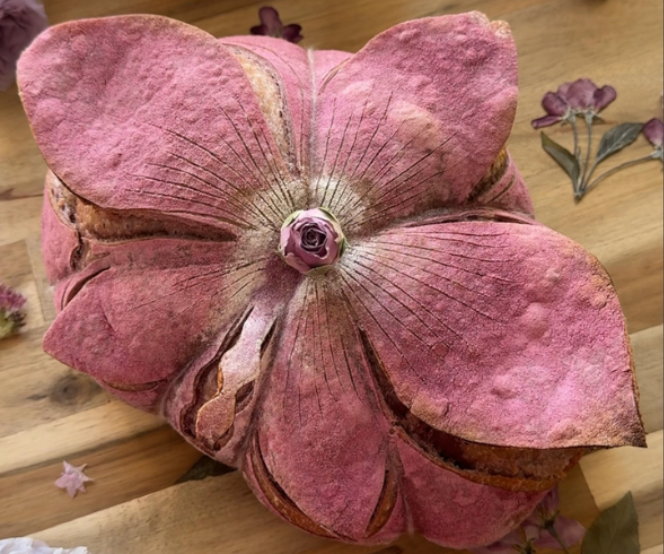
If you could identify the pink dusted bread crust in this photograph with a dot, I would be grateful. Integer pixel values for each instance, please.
(452, 365)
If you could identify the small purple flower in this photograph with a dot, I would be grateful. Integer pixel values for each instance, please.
(20, 22)
(580, 97)
(544, 528)
(311, 241)
(11, 317)
(272, 26)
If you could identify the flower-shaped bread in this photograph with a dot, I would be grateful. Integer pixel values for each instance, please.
(450, 365)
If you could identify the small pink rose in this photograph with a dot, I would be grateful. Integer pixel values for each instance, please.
(311, 239)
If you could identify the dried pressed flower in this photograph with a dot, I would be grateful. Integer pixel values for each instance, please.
(72, 479)
(571, 99)
(401, 387)
(11, 317)
(544, 528)
(271, 26)
(20, 22)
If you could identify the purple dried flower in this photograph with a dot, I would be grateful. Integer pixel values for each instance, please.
(580, 97)
(653, 130)
(11, 317)
(20, 22)
(271, 26)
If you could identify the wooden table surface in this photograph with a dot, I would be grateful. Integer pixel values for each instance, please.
(49, 413)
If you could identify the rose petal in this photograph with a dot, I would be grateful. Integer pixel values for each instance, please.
(320, 453)
(476, 322)
(128, 146)
(187, 291)
(554, 104)
(403, 126)
(603, 97)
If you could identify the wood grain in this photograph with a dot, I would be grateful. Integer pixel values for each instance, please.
(49, 413)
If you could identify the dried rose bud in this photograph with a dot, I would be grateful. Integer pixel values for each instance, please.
(311, 241)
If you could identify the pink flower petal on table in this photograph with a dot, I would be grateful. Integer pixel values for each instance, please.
(141, 312)
(402, 126)
(476, 322)
(126, 146)
(320, 454)
(72, 479)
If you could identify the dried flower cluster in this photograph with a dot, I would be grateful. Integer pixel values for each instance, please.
(324, 268)
(584, 99)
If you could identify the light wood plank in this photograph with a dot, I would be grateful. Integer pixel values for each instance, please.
(37, 389)
(140, 465)
(612, 473)
(227, 517)
(78, 432)
(649, 363)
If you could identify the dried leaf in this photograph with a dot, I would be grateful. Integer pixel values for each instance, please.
(615, 531)
(617, 138)
(564, 157)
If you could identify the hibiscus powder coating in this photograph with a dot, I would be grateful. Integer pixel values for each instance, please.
(323, 268)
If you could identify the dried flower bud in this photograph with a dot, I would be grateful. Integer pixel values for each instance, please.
(311, 241)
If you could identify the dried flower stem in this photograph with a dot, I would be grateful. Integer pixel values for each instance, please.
(586, 164)
(608, 173)
(575, 130)
(552, 531)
